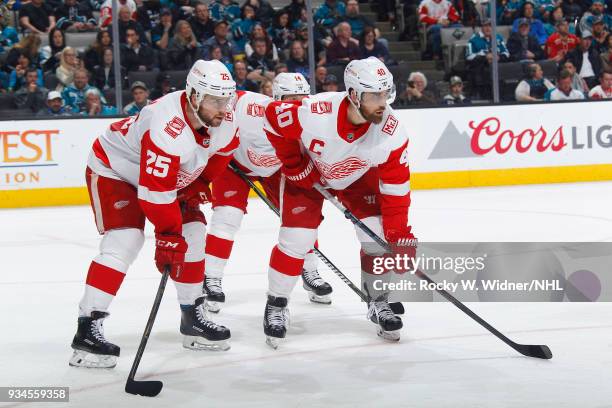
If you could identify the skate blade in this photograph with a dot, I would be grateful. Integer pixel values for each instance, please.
(212, 307)
(82, 358)
(392, 336)
(324, 300)
(273, 342)
(200, 343)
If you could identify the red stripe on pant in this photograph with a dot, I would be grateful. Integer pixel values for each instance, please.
(219, 247)
(193, 272)
(285, 264)
(104, 278)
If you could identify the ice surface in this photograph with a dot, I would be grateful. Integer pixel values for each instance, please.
(331, 357)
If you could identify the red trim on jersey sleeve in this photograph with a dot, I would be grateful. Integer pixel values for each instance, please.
(345, 127)
(283, 118)
(100, 153)
(157, 187)
(453, 16)
(289, 151)
(231, 146)
(424, 16)
(394, 177)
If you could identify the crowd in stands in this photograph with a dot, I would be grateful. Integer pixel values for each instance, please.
(256, 42)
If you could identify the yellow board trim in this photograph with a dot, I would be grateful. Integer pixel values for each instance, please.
(44, 197)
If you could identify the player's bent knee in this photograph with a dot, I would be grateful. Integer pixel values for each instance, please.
(120, 247)
(195, 236)
(296, 242)
(368, 245)
(226, 222)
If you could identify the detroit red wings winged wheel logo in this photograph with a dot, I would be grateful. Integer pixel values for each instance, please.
(341, 169)
(263, 160)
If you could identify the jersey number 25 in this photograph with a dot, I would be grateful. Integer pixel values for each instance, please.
(157, 165)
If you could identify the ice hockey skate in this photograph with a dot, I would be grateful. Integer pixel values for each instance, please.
(276, 320)
(91, 349)
(214, 294)
(318, 290)
(380, 313)
(200, 332)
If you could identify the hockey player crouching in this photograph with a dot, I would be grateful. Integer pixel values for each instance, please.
(142, 167)
(256, 157)
(354, 144)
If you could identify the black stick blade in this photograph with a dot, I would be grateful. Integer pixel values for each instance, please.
(144, 388)
(535, 351)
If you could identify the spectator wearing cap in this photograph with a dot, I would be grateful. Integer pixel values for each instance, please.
(479, 56)
(106, 11)
(36, 17)
(74, 17)
(224, 10)
(164, 31)
(586, 59)
(136, 55)
(371, 47)
(264, 12)
(74, 94)
(95, 106)
(221, 40)
(298, 62)
(301, 34)
(103, 76)
(455, 96)
(240, 77)
(534, 86)
(606, 57)
(201, 23)
(415, 91)
(330, 13)
(536, 27)
(600, 35)
(18, 76)
(31, 95)
(140, 96)
(577, 83)
(260, 66)
(597, 10)
(561, 42)
(184, 50)
(241, 28)
(564, 90)
(330, 84)
(437, 14)
(125, 23)
(522, 45)
(163, 86)
(54, 106)
(604, 89)
(343, 48)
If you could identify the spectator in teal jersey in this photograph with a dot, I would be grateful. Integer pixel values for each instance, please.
(74, 94)
(140, 94)
(227, 10)
(94, 106)
(242, 27)
(330, 13)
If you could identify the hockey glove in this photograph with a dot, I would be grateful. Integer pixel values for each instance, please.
(170, 251)
(305, 175)
(195, 194)
(404, 243)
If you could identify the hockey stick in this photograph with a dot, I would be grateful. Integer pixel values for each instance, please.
(396, 307)
(147, 388)
(537, 351)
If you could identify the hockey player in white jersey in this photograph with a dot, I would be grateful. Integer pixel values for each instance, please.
(353, 144)
(141, 168)
(256, 157)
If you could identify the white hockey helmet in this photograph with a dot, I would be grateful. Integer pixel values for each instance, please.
(369, 75)
(210, 78)
(287, 83)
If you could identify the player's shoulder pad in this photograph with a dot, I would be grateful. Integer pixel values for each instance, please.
(281, 118)
(393, 128)
(168, 126)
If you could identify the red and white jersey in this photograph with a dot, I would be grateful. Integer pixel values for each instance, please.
(106, 11)
(430, 11)
(159, 152)
(255, 151)
(342, 152)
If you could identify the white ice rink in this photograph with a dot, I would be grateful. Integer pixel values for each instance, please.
(331, 357)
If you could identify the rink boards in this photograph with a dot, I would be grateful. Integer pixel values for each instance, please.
(42, 162)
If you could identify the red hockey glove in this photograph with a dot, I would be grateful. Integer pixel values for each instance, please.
(403, 242)
(195, 194)
(305, 175)
(170, 251)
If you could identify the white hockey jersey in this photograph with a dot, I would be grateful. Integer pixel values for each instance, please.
(159, 152)
(341, 152)
(255, 152)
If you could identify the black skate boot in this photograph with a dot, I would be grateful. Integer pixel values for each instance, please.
(318, 290)
(201, 333)
(276, 320)
(214, 294)
(380, 313)
(91, 349)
